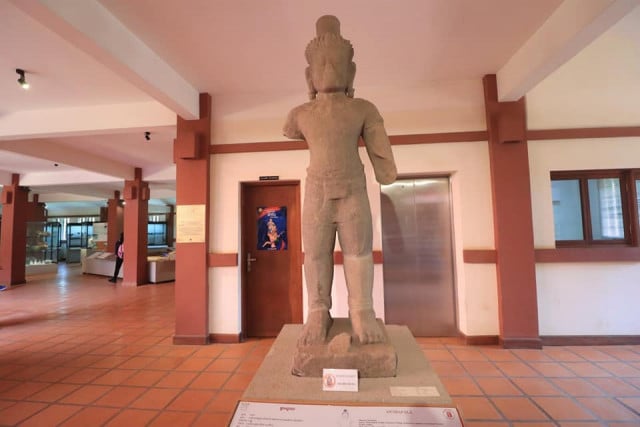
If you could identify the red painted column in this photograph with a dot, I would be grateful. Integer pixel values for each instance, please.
(171, 218)
(191, 155)
(136, 216)
(513, 223)
(13, 239)
(36, 211)
(115, 220)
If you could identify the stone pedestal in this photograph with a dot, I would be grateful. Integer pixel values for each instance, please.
(371, 360)
(415, 383)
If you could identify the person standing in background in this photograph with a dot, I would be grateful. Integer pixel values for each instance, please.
(119, 250)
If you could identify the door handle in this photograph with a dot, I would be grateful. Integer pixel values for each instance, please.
(249, 261)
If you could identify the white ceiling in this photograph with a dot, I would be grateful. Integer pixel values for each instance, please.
(103, 72)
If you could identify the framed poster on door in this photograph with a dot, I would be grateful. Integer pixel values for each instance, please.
(272, 228)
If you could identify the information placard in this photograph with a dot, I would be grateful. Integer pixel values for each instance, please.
(190, 223)
(253, 414)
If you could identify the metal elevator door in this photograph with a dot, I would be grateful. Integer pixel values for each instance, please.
(419, 288)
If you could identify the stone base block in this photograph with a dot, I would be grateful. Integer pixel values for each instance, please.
(371, 360)
(416, 383)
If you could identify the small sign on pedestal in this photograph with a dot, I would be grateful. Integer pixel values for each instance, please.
(340, 380)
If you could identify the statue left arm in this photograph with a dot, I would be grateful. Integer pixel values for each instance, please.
(291, 128)
(378, 146)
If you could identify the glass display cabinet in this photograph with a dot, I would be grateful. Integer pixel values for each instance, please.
(78, 236)
(43, 246)
(43, 242)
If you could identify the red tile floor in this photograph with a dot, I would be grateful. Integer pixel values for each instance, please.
(76, 350)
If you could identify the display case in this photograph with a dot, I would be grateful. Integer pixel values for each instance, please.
(43, 244)
(101, 263)
(98, 240)
(54, 240)
(162, 268)
(78, 235)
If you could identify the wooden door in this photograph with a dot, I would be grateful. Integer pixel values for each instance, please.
(271, 257)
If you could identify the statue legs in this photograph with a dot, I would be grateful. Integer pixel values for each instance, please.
(356, 236)
(343, 210)
(319, 235)
(318, 272)
(358, 272)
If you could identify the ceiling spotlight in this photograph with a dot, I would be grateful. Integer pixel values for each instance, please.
(147, 136)
(22, 81)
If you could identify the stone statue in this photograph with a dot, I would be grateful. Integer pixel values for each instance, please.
(336, 198)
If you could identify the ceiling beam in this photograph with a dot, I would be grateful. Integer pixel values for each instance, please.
(88, 25)
(67, 197)
(59, 153)
(88, 120)
(167, 173)
(572, 26)
(5, 178)
(72, 181)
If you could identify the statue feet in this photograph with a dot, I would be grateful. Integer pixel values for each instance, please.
(316, 329)
(365, 327)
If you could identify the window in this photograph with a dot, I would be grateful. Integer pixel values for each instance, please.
(78, 234)
(596, 207)
(65, 221)
(156, 233)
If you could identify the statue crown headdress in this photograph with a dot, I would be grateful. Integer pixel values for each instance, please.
(327, 24)
(328, 35)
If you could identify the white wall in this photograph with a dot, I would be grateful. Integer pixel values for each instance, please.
(455, 106)
(588, 299)
(599, 87)
(581, 299)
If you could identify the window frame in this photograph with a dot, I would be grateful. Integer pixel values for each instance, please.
(628, 196)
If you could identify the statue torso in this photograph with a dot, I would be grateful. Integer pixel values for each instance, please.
(332, 125)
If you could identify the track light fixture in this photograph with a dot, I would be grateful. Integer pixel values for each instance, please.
(22, 81)
(147, 136)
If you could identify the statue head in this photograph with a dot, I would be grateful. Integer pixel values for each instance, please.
(330, 58)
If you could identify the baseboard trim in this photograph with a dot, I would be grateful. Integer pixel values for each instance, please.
(225, 338)
(570, 340)
(190, 340)
(550, 340)
(532, 343)
(480, 339)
